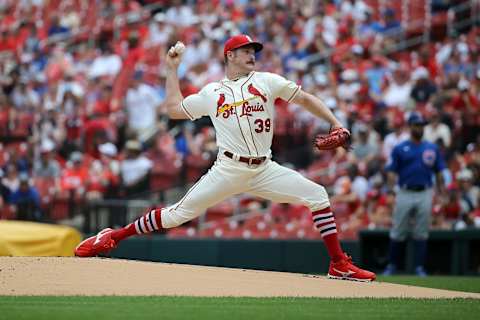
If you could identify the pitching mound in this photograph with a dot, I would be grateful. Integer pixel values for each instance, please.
(95, 276)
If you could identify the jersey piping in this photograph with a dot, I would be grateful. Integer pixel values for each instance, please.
(186, 111)
(238, 120)
(249, 126)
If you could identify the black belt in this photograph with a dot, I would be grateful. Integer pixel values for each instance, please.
(416, 188)
(250, 161)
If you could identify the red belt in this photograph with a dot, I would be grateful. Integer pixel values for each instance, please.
(250, 161)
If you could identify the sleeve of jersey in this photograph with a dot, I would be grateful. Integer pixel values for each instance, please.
(195, 105)
(283, 88)
(392, 164)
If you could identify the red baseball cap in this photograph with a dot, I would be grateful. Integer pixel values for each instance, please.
(241, 40)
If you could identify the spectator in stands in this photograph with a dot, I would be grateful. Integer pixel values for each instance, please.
(98, 130)
(108, 156)
(179, 14)
(348, 207)
(469, 193)
(70, 102)
(19, 156)
(24, 98)
(70, 18)
(46, 166)
(68, 83)
(423, 88)
(52, 100)
(56, 28)
(375, 75)
(26, 200)
(200, 153)
(74, 175)
(379, 207)
(362, 147)
(359, 182)
(344, 194)
(436, 131)
(368, 27)
(463, 99)
(390, 24)
(349, 86)
(452, 210)
(107, 63)
(458, 63)
(100, 180)
(167, 162)
(160, 31)
(10, 180)
(397, 94)
(466, 112)
(141, 103)
(398, 135)
(103, 105)
(135, 170)
(357, 9)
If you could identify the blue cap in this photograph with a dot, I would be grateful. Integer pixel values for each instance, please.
(416, 118)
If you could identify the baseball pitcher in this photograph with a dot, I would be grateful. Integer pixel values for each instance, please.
(241, 107)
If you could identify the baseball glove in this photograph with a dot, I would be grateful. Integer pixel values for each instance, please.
(338, 137)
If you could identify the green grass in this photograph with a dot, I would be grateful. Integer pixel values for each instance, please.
(104, 308)
(467, 284)
(117, 308)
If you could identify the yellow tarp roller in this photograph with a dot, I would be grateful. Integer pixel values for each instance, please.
(21, 238)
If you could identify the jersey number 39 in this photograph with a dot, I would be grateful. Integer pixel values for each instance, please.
(261, 125)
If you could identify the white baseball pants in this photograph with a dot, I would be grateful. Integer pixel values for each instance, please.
(228, 177)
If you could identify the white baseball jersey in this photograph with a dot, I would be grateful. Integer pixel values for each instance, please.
(242, 110)
(243, 113)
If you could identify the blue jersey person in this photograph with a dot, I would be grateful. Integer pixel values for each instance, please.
(413, 165)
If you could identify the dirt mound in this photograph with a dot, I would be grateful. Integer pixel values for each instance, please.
(96, 276)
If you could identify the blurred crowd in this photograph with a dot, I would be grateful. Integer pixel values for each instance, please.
(82, 116)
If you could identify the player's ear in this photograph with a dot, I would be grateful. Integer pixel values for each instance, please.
(229, 55)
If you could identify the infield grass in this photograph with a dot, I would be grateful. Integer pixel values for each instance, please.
(105, 308)
(467, 284)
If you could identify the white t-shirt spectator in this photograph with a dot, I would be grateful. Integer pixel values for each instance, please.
(360, 187)
(330, 30)
(142, 102)
(193, 55)
(25, 99)
(348, 91)
(181, 16)
(357, 10)
(391, 140)
(159, 34)
(133, 170)
(105, 65)
(397, 95)
(441, 131)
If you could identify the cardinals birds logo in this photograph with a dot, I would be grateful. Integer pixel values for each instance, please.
(220, 102)
(256, 92)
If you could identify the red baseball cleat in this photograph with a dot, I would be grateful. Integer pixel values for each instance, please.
(93, 246)
(346, 270)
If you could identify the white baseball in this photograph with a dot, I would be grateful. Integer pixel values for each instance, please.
(179, 47)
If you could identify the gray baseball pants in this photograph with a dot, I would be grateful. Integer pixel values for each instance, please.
(416, 205)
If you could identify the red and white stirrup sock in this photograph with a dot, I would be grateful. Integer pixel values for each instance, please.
(149, 222)
(324, 222)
